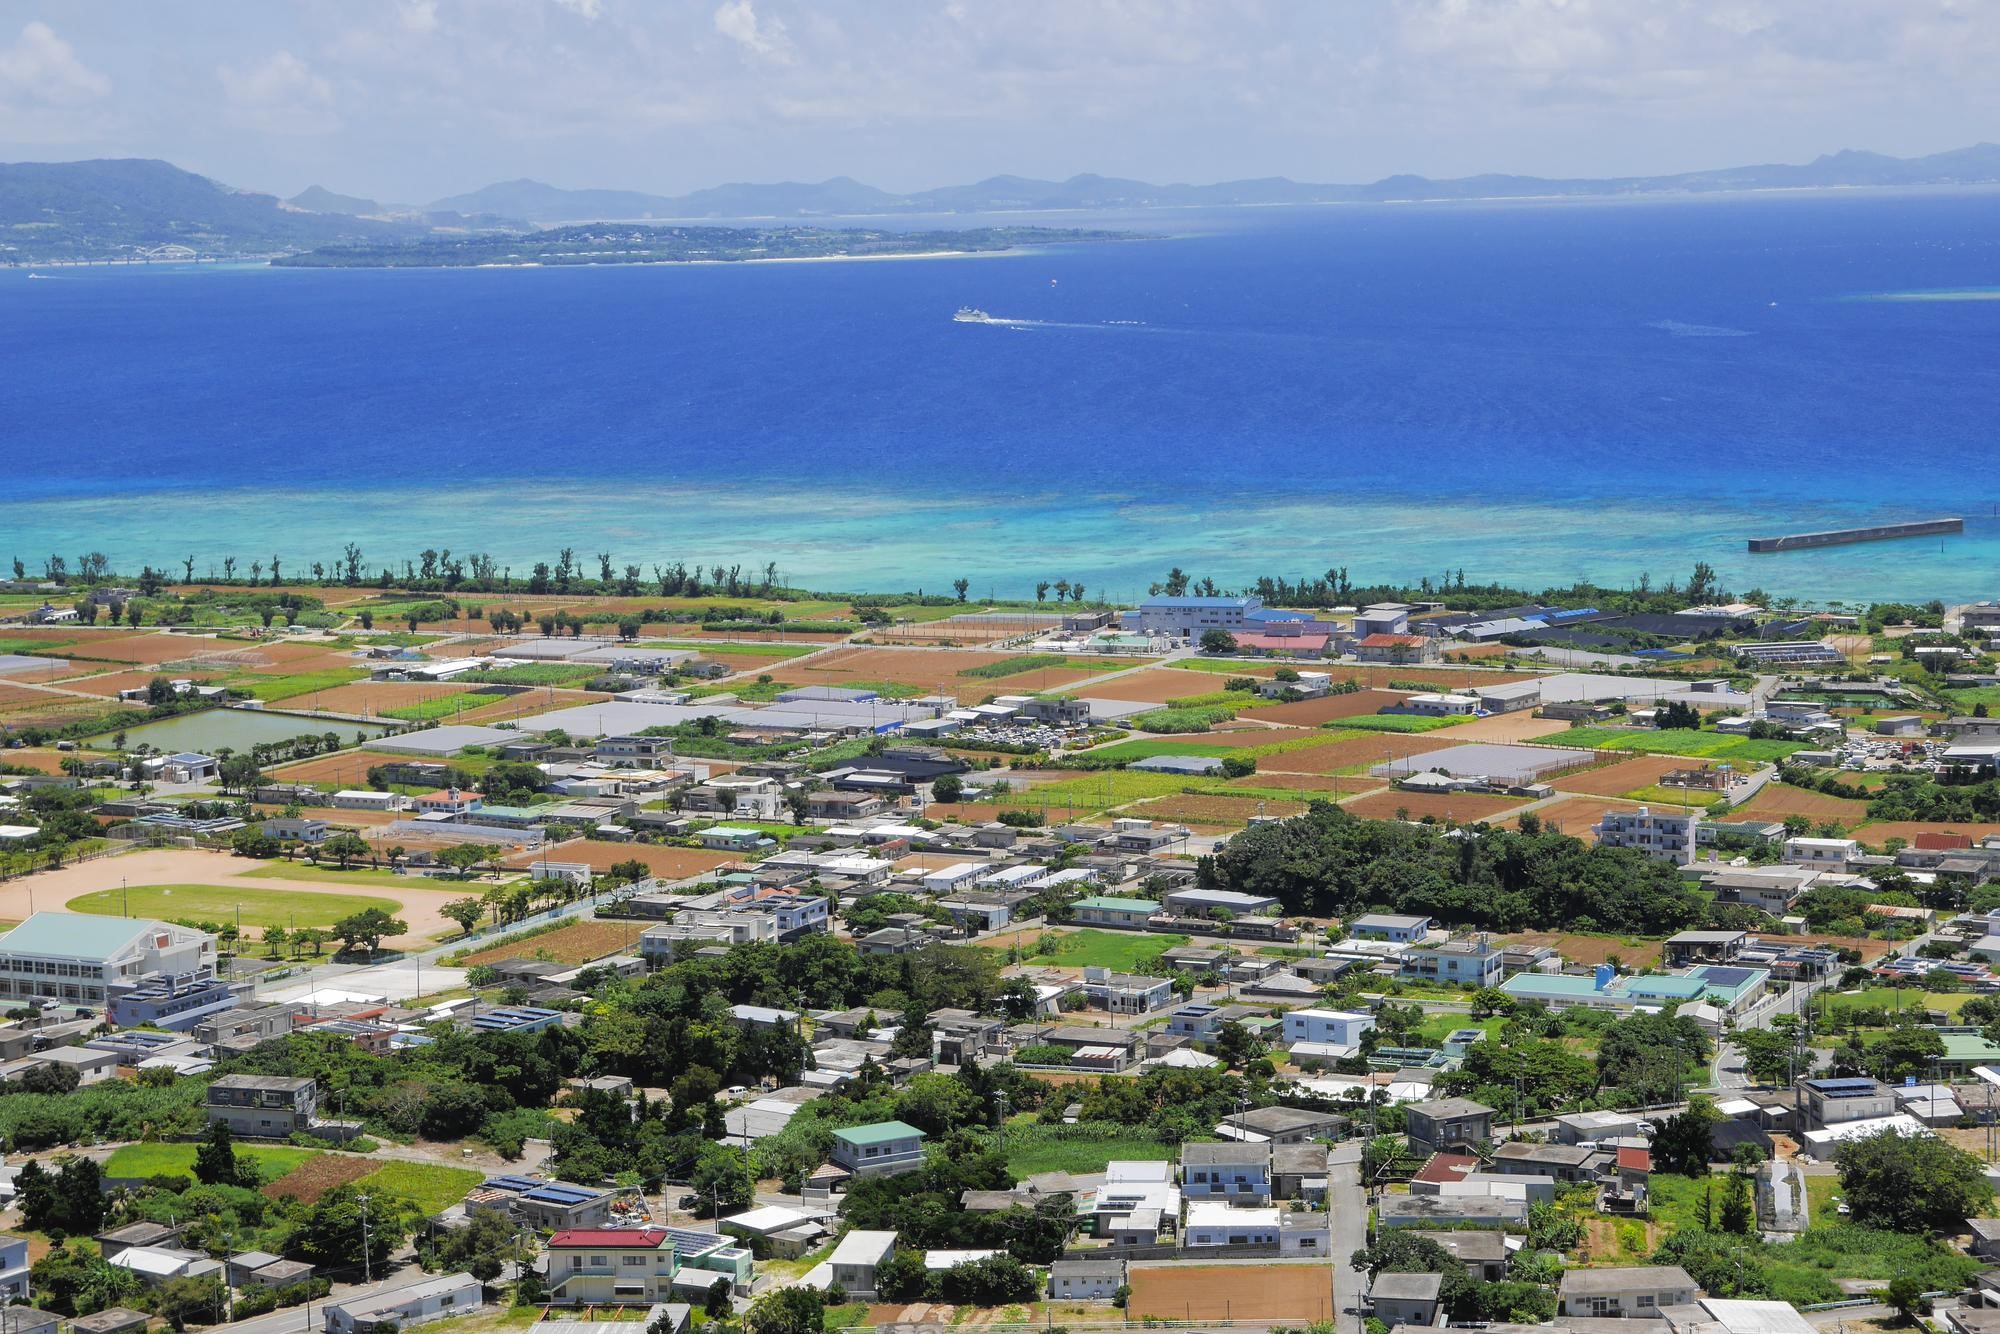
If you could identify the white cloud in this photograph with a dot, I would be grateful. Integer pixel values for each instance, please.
(738, 21)
(280, 92)
(587, 10)
(41, 67)
(420, 16)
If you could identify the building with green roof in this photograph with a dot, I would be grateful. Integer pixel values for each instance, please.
(1101, 910)
(83, 959)
(1727, 988)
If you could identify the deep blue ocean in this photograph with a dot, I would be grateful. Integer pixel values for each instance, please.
(1530, 392)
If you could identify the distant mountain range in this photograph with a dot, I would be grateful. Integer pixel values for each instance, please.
(533, 201)
(124, 208)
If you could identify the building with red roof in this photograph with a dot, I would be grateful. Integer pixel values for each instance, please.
(605, 1266)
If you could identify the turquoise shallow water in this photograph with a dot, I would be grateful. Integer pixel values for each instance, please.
(1531, 393)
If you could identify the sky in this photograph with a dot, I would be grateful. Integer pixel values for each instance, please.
(411, 100)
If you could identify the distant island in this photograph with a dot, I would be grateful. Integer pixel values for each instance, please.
(139, 211)
(626, 243)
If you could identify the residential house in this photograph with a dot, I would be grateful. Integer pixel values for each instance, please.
(1447, 1123)
(882, 1149)
(1667, 836)
(1216, 1224)
(403, 1306)
(264, 1106)
(1281, 1125)
(1237, 1172)
(856, 1259)
(1196, 902)
(1405, 1299)
(1128, 914)
(548, 1206)
(1395, 649)
(1126, 993)
(1459, 962)
(1299, 1172)
(1322, 1032)
(1304, 1233)
(1831, 854)
(1389, 926)
(1625, 1291)
(1089, 1280)
(1484, 1254)
(1563, 1162)
(601, 1266)
(1686, 948)
(1834, 1101)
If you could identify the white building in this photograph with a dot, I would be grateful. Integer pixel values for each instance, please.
(1667, 836)
(411, 1304)
(1338, 1028)
(75, 957)
(1831, 854)
(1215, 1224)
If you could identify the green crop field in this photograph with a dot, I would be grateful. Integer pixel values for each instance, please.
(444, 706)
(1092, 793)
(433, 1186)
(271, 689)
(1128, 751)
(1121, 951)
(1407, 723)
(1675, 741)
(152, 1160)
(1029, 1151)
(222, 903)
(536, 674)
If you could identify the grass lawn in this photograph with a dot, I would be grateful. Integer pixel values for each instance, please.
(1890, 998)
(1819, 1199)
(433, 1186)
(270, 689)
(1438, 1027)
(149, 1160)
(1080, 1156)
(1121, 951)
(1670, 796)
(332, 875)
(219, 903)
(845, 1316)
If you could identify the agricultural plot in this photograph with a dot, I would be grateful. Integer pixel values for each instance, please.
(1286, 1293)
(1463, 807)
(934, 671)
(157, 1159)
(348, 768)
(1620, 776)
(1877, 833)
(1576, 815)
(1678, 741)
(316, 1176)
(579, 942)
(1355, 752)
(1313, 712)
(433, 1187)
(1155, 685)
(1216, 812)
(1778, 800)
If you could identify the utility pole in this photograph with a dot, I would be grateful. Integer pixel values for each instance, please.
(367, 1270)
(1000, 1130)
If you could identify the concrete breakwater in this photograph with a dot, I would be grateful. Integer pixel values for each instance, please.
(1836, 537)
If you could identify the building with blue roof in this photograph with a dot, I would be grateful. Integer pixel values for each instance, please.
(548, 1206)
(515, 1019)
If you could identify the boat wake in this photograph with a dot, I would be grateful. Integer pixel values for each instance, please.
(1680, 330)
(1098, 326)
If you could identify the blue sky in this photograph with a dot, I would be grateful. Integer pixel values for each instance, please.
(409, 100)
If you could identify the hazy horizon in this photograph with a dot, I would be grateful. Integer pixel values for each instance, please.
(414, 100)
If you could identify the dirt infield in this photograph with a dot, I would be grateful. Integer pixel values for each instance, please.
(1313, 712)
(670, 863)
(1777, 801)
(1296, 1293)
(49, 890)
(1464, 807)
(1621, 776)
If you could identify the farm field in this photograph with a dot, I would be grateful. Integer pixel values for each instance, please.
(1590, 949)
(1154, 685)
(1094, 793)
(1216, 812)
(934, 671)
(347, 768)
(251, 904)
(433, 1186)
(1464, 807)
(743, 657)
(109, 683)
(1878, 832)
(1354, 752)
(376, 698)
(271, 689)
(579, 942)
(1697, 745)
(1313, 712)
(40, 759)
(1777, 800)
(316, 1176)
(1620, 776)
(1289, 1293)
(1320, 785)
(1521, 725)
(668, 863)
(148, 1160)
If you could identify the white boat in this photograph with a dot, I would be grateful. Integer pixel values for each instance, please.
(971, 315)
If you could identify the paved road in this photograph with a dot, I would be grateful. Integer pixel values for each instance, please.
(1349, 1204)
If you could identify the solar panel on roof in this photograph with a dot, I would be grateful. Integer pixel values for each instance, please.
(1727, 977)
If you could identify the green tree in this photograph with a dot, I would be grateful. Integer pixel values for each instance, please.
(1915, 1183)
(947, 787)
(466, 912)
(366, 929)
(345, 849)
(483, 1246)
(215, 1162)
(1218, 641)
(794, 1310)
(1686, 1141)
(1768, 1055)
